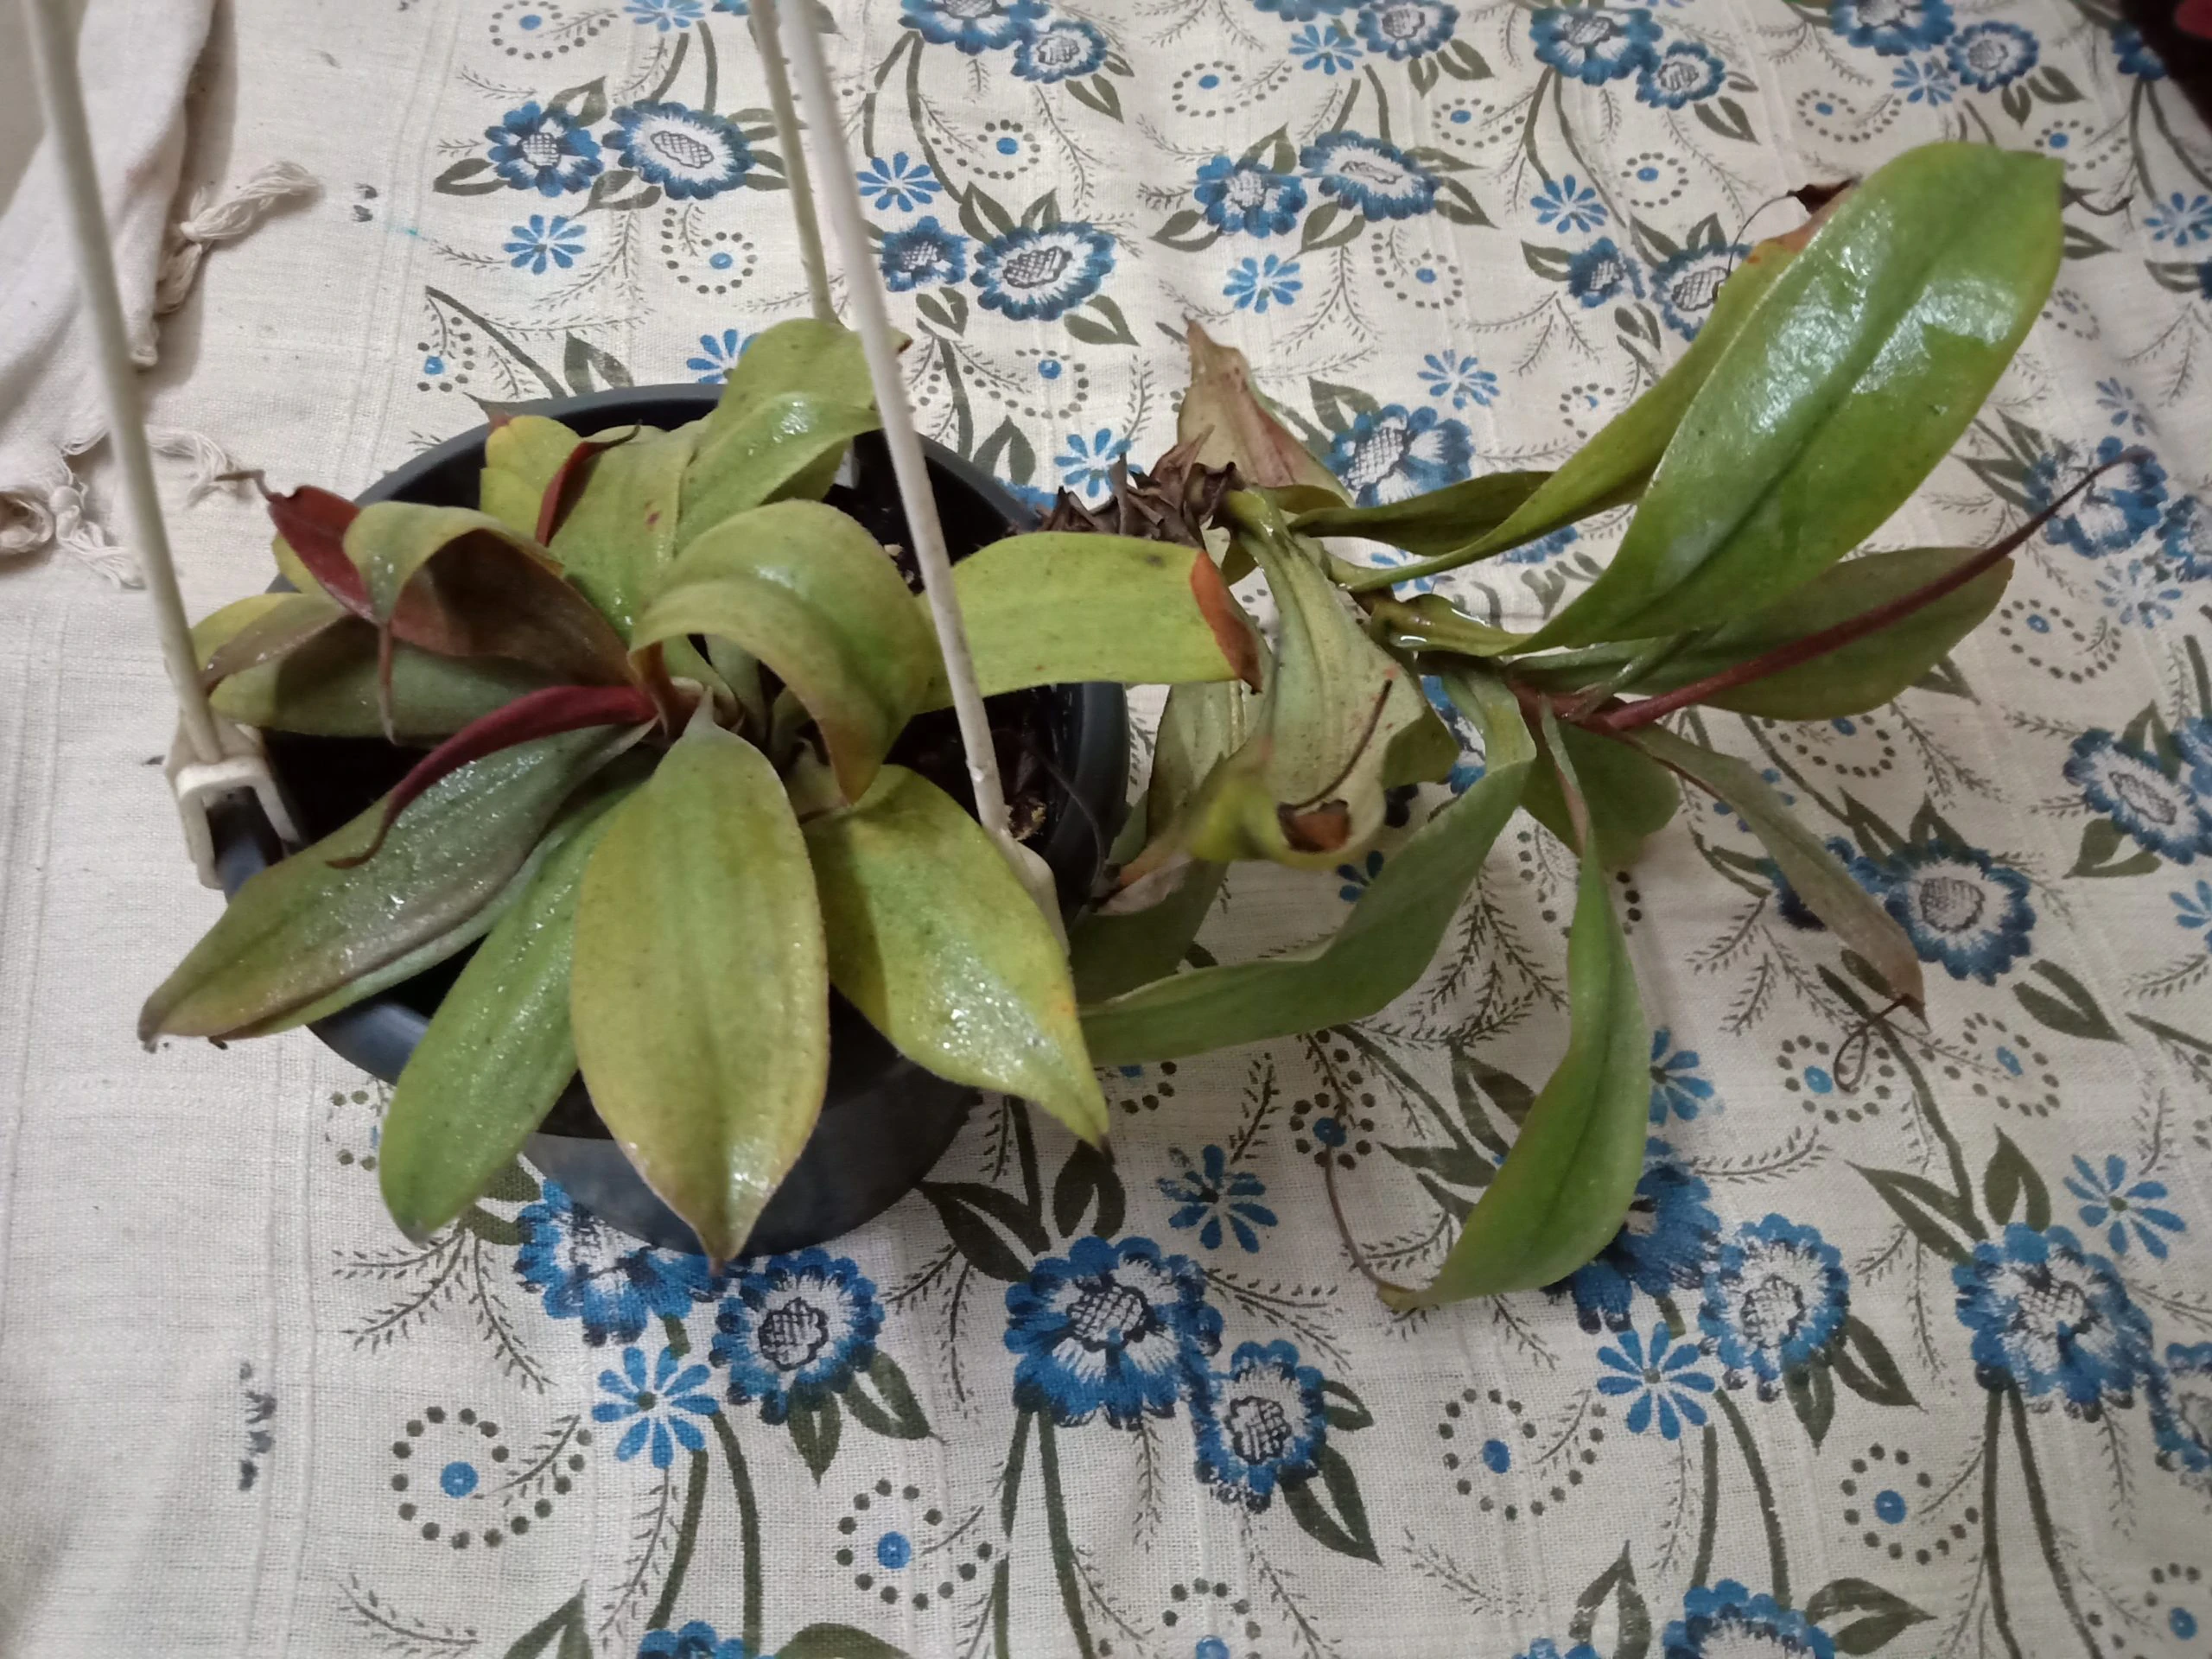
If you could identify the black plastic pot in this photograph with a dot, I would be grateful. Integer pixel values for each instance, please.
(885, 1121)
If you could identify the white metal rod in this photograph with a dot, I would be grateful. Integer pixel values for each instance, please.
(53, 54)
(767, 35)
(865, 288)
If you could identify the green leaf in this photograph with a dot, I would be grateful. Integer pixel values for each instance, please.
(1886, 1615)
(2072, 1012)
(1851, 680)
(825, 359)
(932, 936)
(1237, 424)
(1061, 606)
(620, 532)
(787, 447)
(1811, 1388)
(1559, 1196)
(1345, 1411)
(1617, 1581)
(2010, 1179)
(882, 1402)
(1425, 525)
(1863, 1365)
(1862, 365)
(588, 368)
(837, 1642)
(521, 456)
(1931, 1215)
(700, 988)
(2101, 841)
(816, 1426)
(1634, 795)
(462, 584)
(805, 589)
(1088, 1174)
(261, 631)
(1857, 920)
(1383, 946)
(1614, 465)
(1340, 1523)
(497, 1052)
(967, 1209)
(565, 1621)
(303, 929)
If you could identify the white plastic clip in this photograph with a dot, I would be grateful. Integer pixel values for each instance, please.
(198, 784)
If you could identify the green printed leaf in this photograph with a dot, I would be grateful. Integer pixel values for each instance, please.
(1088, 1176)
(1857, 920)
(1063, 606)
(1382, 947)
(1860, 368)
(882, 1402)
(303, 928)
(933, 937)
(2072, 1012)
(1564, 1187)
(1618, 1582)
(1811, 1388)
(497, 1052)
(803, 589)
(1885, 1616)
(967, 1210)
(1863, 1365)
(700, 991)
(816, 1426)
(619, 535)
(1934, 1217)
(837, 1642)
(522, 457)
(1335, 1514)
(1633, 796)
(2010, 1179)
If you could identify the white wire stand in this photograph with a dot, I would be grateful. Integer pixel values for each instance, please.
(840, 187)
(210, 758)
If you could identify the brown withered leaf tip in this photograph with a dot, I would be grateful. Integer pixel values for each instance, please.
(1174, 502)
(1814, 197)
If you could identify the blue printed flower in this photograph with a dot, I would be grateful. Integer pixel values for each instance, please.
(2142, 592)
(1892, 28)
(608, 1281)
(2119, 401)
(690, 154)
(2181, 1412)
(1327, 50)
(1059, 50)
(2164, 815)
(1774, 1297)
(2135, 55)
(2193, 912)
(796, 1327)
(537, 148)
(1726, 1619)
(898, 184)
(2110, 1200)
(1392, 454)
(651, 1408)
(2052, 1320)
(2185, 538)
(1675, 1086)
(1256, 284)
(1600, 274)
(1688, 284)
(1661, 1248)
(1463, 379)
(1924, 80)
(2193, 739)
(1688, 72)
(543, 241)
(1245, 196)
(1210, 1194)
(1591, 46)
(1959, 906)
(1369, 176)
(696, 1640)
(1568, 205)
(734, 8)
(1087, 464)
(718, 354)
(1302, 11)
(1544, 1648)
(1407, 29)
(1112, 1327)
(1542, 549)
(2113, 512)
(1258, 1424)
(1989, 55)
(665, 14)
(1665, 1382)
(2182, 220)
(1355, 877)
(974, 25)
(1038, 274)
(923, 255)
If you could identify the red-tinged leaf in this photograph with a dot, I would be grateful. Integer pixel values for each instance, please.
(567, 482)
(313, 523)
(1232, 629)
(547, 713)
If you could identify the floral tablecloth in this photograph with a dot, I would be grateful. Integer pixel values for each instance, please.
(1907, 1346)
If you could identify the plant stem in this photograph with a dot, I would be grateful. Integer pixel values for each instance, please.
(1056, 1521)
(1776, 1554)
(2039, 1511)
(748, 1521)
(1992, 1557)
(1709, 1523)
(686, 1539)
(1797, 652)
